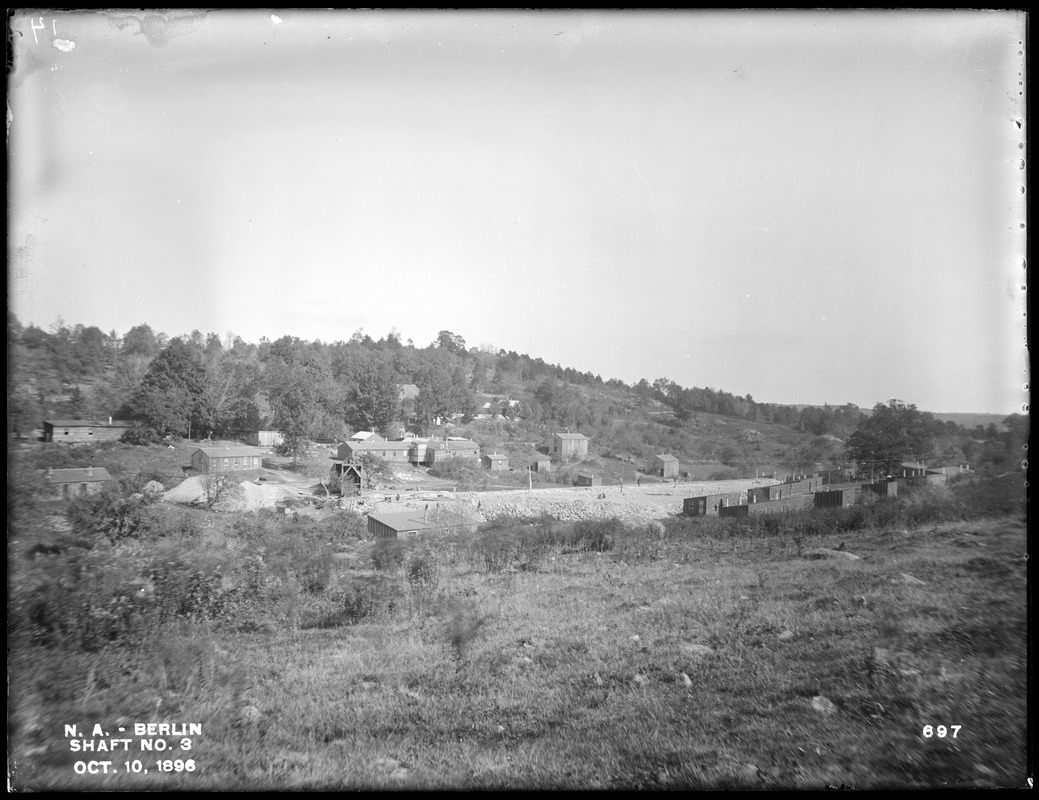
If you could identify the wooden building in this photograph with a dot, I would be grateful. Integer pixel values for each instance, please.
(349, 474)
(838, 496)
(709, 505)
(792, 503)
(66, 484)
(226, 459)
(568, 445)
(79, 431)
(440, 450)
(541, 465)
(405, 524)
(888, 488)
(666, 466)
(496, 462)
(778, 491)
(394, 452)
(263, 438)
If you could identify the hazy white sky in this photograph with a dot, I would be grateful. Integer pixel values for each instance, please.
(806, 207)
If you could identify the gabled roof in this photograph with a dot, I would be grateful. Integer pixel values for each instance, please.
(229, 452)
(77, 475)
(363, 436)
(86, 423)
(665, 457)
(571, 436)
(496, 456)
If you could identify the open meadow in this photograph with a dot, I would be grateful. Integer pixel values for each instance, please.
(877, 646)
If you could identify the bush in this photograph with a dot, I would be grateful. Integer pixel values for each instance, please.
(139, 433)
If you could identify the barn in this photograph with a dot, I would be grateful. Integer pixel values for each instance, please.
(78, 431)
(66, 484)
(666, 466)
(226, 459)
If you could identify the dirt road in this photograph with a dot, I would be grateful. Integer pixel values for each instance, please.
(632, 504)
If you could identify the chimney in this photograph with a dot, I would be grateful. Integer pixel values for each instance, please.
(90, 472)
(109, 420)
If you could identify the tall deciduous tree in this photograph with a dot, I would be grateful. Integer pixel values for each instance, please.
(374, 402)
(892, 434)
(171, 396)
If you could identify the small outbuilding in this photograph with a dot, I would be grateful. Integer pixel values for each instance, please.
(568, 445)
(226, 459)
(541, 465)
(664, 465)
(496, 462)
(585, 478)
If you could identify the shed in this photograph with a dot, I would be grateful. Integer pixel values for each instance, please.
(65, 484)
(226, 459)
(74, 431)
(664, 465)
(568, 445)
(496, 461)
(585, 478)
(541, 465)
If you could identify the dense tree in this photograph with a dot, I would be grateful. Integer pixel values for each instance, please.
(892, 434)
(374, 402)
(171, 396)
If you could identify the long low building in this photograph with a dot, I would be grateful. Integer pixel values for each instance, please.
(66, 484)
(78, 431)
(226, 459)
(405, 524)
(710, 504)
(795, 503)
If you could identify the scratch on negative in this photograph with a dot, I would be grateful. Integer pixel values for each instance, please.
(651, 197)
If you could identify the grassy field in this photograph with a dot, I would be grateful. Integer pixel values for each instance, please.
(532, 655)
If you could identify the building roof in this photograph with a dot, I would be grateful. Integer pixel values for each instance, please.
(497, 456)
(664, 457)
(86, 423)
(77, 475)
(405, 520)
(229, 452)
(454, 443)
(382, 444)
(571, 436)
(363, 436)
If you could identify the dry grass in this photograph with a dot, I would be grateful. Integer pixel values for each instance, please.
(660, 663)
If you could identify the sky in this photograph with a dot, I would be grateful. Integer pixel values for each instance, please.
(807, 207)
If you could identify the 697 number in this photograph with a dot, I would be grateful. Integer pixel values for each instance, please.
(941, 731)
